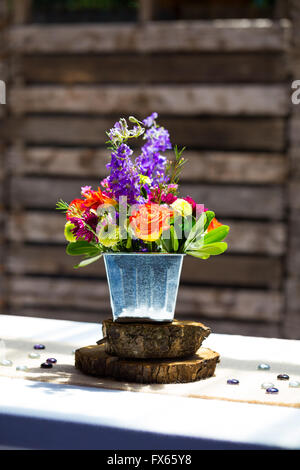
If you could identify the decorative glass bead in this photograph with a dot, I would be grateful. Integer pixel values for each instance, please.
(39, 346)
(263, 366)
(51, 360)
(33, 355)
(46, 365)
(6, 363)
(233, 381)
(23, 368)
(272, 390)
(266, 385)
(282, 377)
(294, 384)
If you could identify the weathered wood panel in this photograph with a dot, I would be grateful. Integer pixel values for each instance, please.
(254, 271)
(207, 133)
(224, 100)
(269, 67)
(93, 295)
(244, 237)
(179, 36)
(226, 201)
(212, 167)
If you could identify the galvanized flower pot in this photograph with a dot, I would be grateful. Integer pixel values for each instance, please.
(143, 286)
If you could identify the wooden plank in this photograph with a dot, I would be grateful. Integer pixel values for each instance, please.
(230, 133)
(226, 201)
(179, 36)
(21, 11)
(244, 237)
(93, 295)
(212, 167)
(231, 201)
(229, 270)
(206, 68)
(145, 12)
(192, 100)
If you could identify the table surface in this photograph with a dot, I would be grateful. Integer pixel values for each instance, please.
(43, 415)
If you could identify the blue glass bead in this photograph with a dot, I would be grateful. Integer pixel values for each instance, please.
(51, 360)
(294, 384)
(266, 385)
(46, 365)
(263, 367)
(33, 355)
(6, 363)
(22, 368)
(282, 377)
(233, 381)
(39, 346)
(272, 390)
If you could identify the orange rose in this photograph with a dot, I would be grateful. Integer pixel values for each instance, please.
(214, 224)
(94, 199)
(149, 221)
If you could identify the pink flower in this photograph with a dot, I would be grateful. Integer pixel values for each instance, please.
(168, 198)
(190, 201)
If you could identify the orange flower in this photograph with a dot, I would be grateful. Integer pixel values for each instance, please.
(149, 221)
(214, 224)
(76, 208)
(94, 199)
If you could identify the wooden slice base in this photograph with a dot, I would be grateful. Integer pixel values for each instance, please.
(154, 340)
(93, 360)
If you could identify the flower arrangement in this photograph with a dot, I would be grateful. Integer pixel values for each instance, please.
(137, 207)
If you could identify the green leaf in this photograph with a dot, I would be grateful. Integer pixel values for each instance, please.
(87, 261)
(207, 250)
(174, 239)
(216, 235)
(82, 248)
(209, 217)
(196, 231)
(166, 243)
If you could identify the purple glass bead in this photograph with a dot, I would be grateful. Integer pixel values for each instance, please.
(282, 377)
(272, 390)
(51, 360)
(39, 346)
(46, 365)
(233, 381)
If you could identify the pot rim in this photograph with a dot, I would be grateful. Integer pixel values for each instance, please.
(139, 253)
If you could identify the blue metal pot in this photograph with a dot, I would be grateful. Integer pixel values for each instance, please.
(143, 286)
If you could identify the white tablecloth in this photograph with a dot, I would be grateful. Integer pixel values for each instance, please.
(43, 415)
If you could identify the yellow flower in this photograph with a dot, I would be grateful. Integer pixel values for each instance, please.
(183, 207)
(68, 232)
(108, 235)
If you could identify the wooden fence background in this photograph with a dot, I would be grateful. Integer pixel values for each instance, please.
(222, 88)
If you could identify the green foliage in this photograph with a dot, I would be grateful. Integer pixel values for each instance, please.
(62, 206)
(83, 248)
(79, 5)
(87, 261)
(207, 250)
